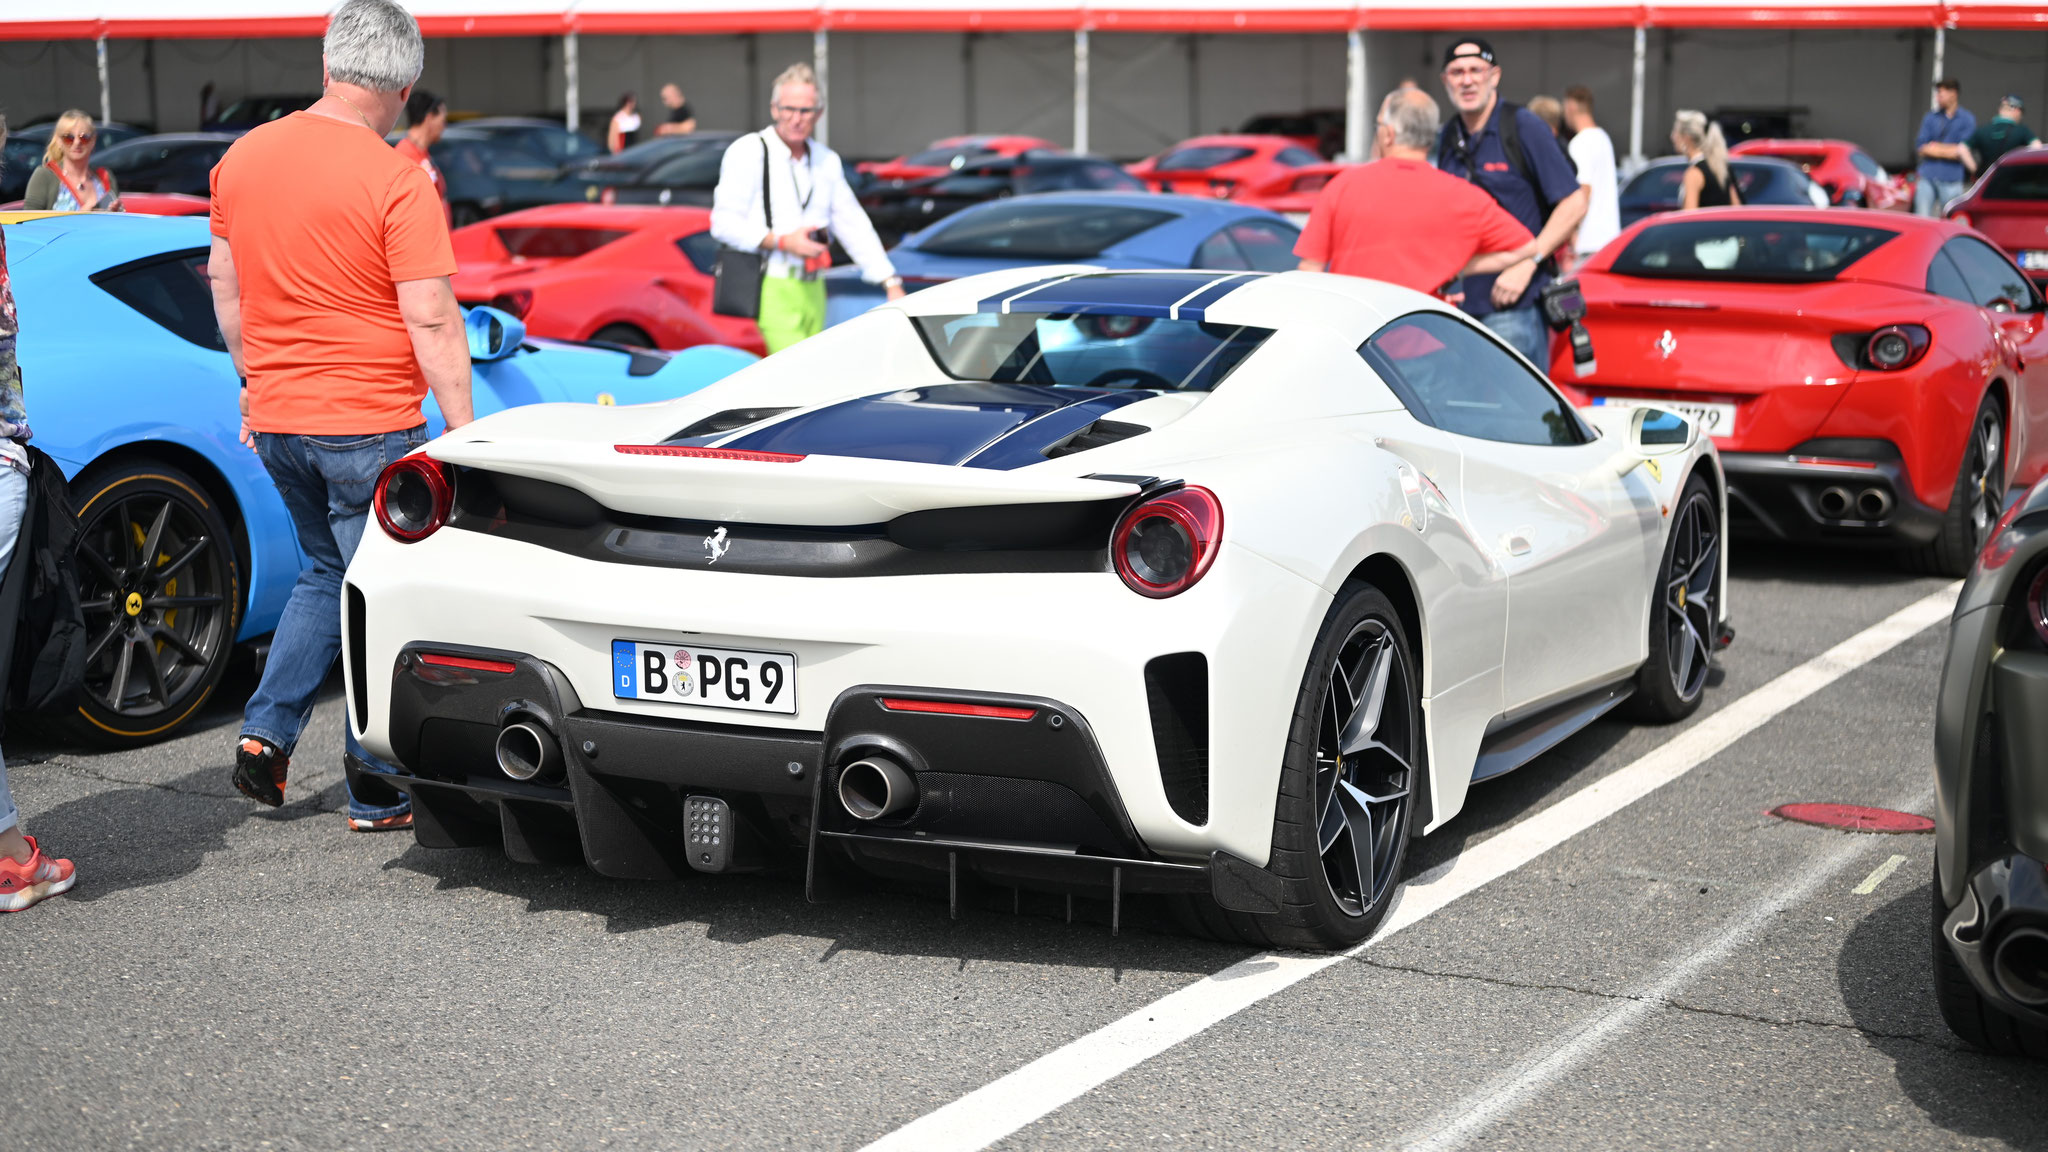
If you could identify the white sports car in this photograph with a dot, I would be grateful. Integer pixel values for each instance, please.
(1221, 586)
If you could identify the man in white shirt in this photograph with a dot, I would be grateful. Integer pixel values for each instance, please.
(1593, 152)
(807, 197)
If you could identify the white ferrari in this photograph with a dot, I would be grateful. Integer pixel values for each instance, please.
(1219, 586)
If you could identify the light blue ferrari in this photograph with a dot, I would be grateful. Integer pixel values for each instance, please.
(187, 550)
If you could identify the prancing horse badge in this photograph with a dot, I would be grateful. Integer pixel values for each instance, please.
(716, 545)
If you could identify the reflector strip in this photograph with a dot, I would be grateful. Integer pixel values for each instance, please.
(948, 708)
(1832, 462)
(706, 453)
(471, 663)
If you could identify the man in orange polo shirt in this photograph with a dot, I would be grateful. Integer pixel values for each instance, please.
(330, 269)
(1400, 220)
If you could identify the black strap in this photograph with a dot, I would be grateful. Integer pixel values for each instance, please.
(767, 201)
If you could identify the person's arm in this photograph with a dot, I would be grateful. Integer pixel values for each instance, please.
(227, 314)
(1499, 241)
(1564, 220)
(857, 234)
(433, 321)
(732, 201)
(1689, 188)
(42, 190)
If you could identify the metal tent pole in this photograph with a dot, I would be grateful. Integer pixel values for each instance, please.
(1940, 52)
(1080, 90)
(1635, 97)
(821, 63)
(1355, 118)
(106, 85)
(572, 82)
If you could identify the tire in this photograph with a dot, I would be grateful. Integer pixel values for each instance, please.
(1977, 501)
(1974, 1019)
(160, 624)
(625, 334)
(1684, 618)
(1331, 802)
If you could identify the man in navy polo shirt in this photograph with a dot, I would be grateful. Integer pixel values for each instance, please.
(1537, 186)
(1940, 146)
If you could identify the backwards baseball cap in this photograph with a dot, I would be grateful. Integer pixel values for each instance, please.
(1469, 48)
(2012, 101)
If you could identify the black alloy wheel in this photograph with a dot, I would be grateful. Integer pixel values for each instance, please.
(1685, 610)
(160, 584)
(1977, 501)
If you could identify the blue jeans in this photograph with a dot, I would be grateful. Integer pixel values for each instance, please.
(1525, 332)
(327, 483)
(1930, 195)
(13, 502)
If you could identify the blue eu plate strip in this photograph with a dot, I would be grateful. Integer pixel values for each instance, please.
(625, 669)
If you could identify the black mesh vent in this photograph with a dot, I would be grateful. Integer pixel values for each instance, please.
(359, 676)
(1177, 687)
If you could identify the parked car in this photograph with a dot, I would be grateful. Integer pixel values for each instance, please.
(1871, 377)
(670, 169)
(900, 208)
(180, 162)
(1990, 922)
(2009, 204)
(1248, 169)
(1320, 130)
(487, 176)
(950, 154)
(254, 111)
(549, 138)
(106, 133)
(1761, 180)
(1845, 172)
(142, 416)
(633, 276)
(23, 153)
(1102, 229)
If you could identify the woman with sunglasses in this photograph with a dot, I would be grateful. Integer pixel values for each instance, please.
(66, 182)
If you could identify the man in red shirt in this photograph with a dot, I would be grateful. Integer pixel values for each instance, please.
(426, 116)
(1398, 219)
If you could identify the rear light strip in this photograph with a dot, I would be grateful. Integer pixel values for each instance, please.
(1833, 462)
(949, 708)
(505, 667)
(706, 453)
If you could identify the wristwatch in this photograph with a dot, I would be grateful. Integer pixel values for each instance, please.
(893, 282)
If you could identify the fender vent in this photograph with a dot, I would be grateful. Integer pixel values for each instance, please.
(1096, 435)
(358, 651)
(720, 423)
(1177, 688)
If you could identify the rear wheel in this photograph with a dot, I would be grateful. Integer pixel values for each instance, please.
(1977, 501)
(626, 334)
(1968, 1014)
(1685, 619)
(161, 587)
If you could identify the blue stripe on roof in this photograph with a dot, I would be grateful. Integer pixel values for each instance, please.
(995, 303)
(1192, 310)
(1121, 293)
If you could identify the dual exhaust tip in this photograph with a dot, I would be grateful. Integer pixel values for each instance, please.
(1838, 503)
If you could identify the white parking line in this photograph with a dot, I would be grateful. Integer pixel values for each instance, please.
(1878, 875)
(1516, 1088)
(1007, 1104)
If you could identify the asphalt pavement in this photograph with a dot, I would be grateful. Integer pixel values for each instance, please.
(1689, 972)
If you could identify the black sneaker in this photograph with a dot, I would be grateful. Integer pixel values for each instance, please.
(260, 770)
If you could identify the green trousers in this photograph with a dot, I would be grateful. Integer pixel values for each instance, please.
(790, 310)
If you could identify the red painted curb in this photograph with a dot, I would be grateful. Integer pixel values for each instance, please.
(1853, 817)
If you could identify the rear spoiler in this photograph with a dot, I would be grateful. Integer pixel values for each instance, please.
(763, 488)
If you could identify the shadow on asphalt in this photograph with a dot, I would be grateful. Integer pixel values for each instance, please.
(1758, 559)
(1494, 804)
(1887, 983)
(874, 915)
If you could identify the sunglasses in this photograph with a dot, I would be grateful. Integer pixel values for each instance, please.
(76, 137)
(799, 110)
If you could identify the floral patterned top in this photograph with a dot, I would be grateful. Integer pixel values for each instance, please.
(14, 429)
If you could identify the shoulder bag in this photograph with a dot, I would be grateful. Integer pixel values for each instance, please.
(737, 275)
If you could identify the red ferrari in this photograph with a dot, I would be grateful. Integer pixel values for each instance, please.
(2010, 205)
(945, 155)
(1869, 376)
(151, 204)
(1852, 179)
(1256, 170)
(625, 275)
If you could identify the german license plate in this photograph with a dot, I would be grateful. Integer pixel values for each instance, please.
(1713, 419)
(2034, 260)
(705, 677)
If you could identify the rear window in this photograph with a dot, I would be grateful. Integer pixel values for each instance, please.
(697, 169)
(1041, 231)
(1799, 252)
(1758, 184)
(2018, 182)
(1092, 350)
(1196, 159)
(556, 243)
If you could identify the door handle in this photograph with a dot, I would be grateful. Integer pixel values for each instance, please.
(1518, 545)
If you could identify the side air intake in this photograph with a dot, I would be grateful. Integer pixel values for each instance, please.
(1177, 688)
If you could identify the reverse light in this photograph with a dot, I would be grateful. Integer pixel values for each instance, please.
(518, 301)
(706, 453)
(1899, 346)
(413, 498)
(953, 708)
(1164, 545)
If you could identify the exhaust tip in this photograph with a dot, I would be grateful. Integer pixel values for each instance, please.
(2021, 966)
(528, 752)
(1873, 503)
(1834, 503)
(874, 787)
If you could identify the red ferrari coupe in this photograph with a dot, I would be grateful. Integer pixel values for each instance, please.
(2010, 205)
(945, 155)
(1256, 170)
(1869, 376)
(624, 275)
(1851, 177)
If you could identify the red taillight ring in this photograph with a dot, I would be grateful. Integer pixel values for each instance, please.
(1916, 339)
(410, 526)
(1196, 513)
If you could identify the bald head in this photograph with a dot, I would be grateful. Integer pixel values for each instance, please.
(1408, 122)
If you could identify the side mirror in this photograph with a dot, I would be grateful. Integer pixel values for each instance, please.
(1654, 432)
(493, 335)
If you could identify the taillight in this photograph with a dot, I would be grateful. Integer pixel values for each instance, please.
(414, 497)
(1162, 546)
(1898, 346)
(519, 301)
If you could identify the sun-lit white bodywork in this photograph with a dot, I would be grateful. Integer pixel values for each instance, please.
(1531, 567)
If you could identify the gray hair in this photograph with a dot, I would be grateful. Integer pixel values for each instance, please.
(1413, 116)
(373, 44)
(797, 73)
